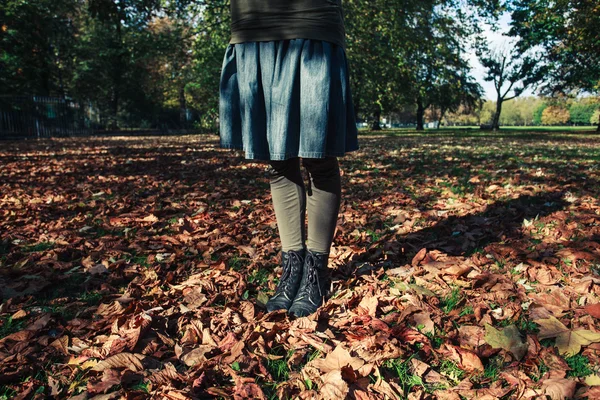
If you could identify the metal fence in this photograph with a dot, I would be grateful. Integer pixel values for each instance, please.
(42, 116)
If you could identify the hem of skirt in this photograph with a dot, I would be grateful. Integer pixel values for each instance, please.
(284, 156)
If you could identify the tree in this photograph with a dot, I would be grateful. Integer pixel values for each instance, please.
(36, 42)
(595, 117)
(411, 52)
(555, 115)
(537, 114)
(568, 32)
(209, 47)
(582, 112)
(512, 73)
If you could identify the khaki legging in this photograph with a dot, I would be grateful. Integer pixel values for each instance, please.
(291, 201)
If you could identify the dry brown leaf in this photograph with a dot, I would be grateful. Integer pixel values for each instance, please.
(61, 344)
(122, 360)
(368, 306)
(424, 319)
(337, 359)
(593, 310)
(466, 360)
(334, 387)
(559, 389)
(197, 355)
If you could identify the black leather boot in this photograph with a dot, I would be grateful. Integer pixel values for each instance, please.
(314, 285)
(292, 262)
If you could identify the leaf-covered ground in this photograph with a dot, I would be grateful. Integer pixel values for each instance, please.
(466, 266)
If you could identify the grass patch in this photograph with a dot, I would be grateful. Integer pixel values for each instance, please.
(541, 370)
(259, 277)
(278, 369)
(451, 371)
(236, 263)
(493, 368)
(9, 326)
(580, 366)
(449, 303)
(401, 369)
(42, 246)
(7, 393)
(468, 310)
(528, 326)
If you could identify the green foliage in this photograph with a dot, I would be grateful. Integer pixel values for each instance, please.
(537, 114)
(595, 118)
(568, 32)
(582, 112)
(42, 246)
(580, 366)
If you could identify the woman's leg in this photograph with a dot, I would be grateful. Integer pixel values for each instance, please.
(323, 204)
(324, 196)
(289, 202)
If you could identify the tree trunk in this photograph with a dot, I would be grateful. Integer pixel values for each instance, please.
(182, 107)
(420, 115)
(496, 121)
(375, 124)
(116, 81)
(598, 128)
(442, 113)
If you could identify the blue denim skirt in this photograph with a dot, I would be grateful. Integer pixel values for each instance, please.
(286, 98)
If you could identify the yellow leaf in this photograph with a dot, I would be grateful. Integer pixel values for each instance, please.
(568, 342)
(592, 380)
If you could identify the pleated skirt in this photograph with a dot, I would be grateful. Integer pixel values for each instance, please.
(287, 98)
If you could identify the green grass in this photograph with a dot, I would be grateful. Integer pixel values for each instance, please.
(259, 277)
(278, 369)
(141, 387)
(401, 368)
(452, 371)
(7, 393)
(493, 368)
(42, 246)
(236, 263)
(542, 369)
(528, 326)
(8, 326)
(449, 303)
(580, 366)
(468, 310)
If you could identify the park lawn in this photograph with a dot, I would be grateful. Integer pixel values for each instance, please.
(466, 265)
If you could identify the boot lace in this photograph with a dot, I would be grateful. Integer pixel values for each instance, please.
(290, 268)
(312, 279)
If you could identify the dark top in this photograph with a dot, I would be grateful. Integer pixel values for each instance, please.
(266, 20)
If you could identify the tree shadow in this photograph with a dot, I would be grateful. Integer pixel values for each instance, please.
(501, 222)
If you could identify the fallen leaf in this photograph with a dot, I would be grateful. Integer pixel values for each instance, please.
(337, 359)
(559, 389)
(334, 387)
(466, 360)
(593, 310)
(568, 342)
(508, 339)
(122, 360)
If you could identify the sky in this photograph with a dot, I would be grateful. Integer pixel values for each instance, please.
(495, 39)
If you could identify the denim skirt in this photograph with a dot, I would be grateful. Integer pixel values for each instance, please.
(287, 98)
